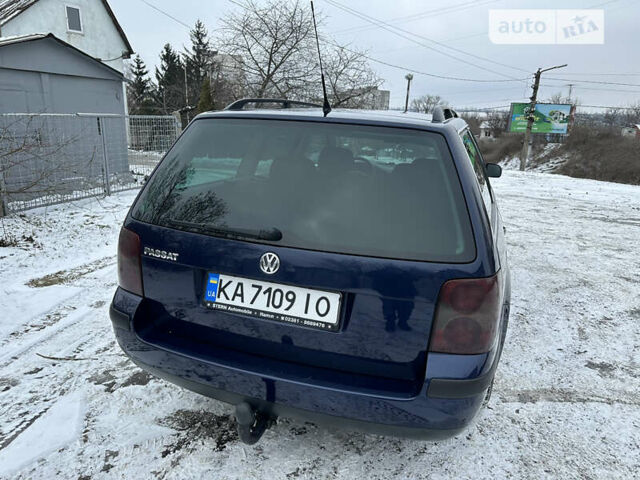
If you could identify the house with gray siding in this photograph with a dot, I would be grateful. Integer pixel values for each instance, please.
(41, 77)
(43, 74)
(88, 25)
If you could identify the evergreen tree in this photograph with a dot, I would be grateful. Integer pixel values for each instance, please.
(140, 89)
(198, 60)
(205, 103)
(170, 95)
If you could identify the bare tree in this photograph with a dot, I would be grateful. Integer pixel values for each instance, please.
(275, 41)
(427, 103)
(36, 159)
(560, 98)
(350, 80)
(631, 115)
(227, 79)
(498, 122)
(613, 118)
(474, 121)
(274, 47)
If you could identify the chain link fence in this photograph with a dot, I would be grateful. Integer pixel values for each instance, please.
(52, 158)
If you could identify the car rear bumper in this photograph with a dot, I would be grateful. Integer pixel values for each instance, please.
(441, 409)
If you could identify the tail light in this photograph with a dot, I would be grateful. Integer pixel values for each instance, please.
(129, 262)
(467, 316)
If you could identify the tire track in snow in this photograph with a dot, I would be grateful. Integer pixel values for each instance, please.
(68, 313)
(567, 396)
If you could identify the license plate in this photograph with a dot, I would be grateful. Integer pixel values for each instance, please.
(274, 301)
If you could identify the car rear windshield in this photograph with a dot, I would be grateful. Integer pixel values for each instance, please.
(343, 188)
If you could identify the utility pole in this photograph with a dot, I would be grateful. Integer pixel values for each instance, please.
(570, 90)
(531, 115)
(409, 77)
(186, 90)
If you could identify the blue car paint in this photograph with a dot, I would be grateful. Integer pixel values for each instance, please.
(374, 390)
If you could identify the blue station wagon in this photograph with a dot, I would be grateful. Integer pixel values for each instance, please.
(347, 269)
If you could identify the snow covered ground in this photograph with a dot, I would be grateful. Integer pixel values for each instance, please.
(566, 402)
(546, 161)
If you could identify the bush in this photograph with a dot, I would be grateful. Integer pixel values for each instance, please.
(503, 147)
(601, 155)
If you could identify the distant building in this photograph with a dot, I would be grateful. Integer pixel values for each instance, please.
(486, 131)
(379, 99)
(368, 98)
(631, 131)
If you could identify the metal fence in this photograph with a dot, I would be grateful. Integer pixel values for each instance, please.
(53, 158)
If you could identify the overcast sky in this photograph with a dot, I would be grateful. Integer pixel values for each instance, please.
(456, 23)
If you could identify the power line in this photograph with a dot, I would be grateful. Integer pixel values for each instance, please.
(490, 90)
(446, 77)
(480, 109)
(418, 72)
(602, 4)
(605, 106)
(404, 34)
(166, 14)
(454, 39)
(486, 33)
(426, 14)
(391, 29)
(577, 86)
(598, 82)
(599, 74)
(409, 69)
(511, 100)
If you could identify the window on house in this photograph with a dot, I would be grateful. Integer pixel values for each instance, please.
(73, 19)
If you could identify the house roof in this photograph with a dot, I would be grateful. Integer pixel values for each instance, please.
(4, 41)
(10, 9)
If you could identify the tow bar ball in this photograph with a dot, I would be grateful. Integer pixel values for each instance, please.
(251, 423)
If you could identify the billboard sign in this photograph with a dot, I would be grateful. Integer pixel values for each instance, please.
(549, 118)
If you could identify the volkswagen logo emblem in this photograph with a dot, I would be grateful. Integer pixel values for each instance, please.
(269, 263)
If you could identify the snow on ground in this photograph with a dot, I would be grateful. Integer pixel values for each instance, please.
(545, 161)
(566, 402)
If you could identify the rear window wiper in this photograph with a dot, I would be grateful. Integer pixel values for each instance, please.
(269, 234)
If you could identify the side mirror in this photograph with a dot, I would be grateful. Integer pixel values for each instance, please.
(493, 170)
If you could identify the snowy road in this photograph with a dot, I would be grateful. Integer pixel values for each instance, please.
(566, 402)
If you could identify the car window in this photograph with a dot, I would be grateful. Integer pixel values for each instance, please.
(375, 191)
(478, 167)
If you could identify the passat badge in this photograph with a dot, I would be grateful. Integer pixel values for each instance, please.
(163, 254)
(269, 263)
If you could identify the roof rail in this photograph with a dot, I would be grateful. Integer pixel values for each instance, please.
(442, 114)
(239, 104)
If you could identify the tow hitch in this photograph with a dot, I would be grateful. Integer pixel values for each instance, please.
(252, 423)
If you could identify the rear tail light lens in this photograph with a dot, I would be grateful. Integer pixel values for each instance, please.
(467, 316)
(129, 262)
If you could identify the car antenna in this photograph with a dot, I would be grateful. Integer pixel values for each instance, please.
(326, 108)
